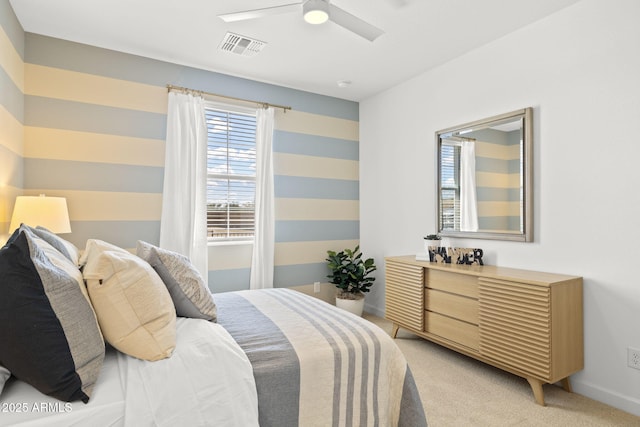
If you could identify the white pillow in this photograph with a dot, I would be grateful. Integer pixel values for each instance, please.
(132, 303)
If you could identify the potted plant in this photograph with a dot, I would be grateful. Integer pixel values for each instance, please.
(431, 240)
(350, 273)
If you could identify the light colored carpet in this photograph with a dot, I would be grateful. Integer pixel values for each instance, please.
(457, 390)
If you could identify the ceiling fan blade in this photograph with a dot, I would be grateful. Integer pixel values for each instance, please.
(353, 23)
(259, 13)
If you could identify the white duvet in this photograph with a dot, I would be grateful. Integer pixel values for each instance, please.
(208, 381)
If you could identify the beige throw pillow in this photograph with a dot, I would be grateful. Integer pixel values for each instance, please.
(133, 306)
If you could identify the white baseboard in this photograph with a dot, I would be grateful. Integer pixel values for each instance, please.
(373, 310)
(611, 398)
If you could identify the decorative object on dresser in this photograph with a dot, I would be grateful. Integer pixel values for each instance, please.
(350, 273)
(525, 322)
(456, 255)
(431, 240)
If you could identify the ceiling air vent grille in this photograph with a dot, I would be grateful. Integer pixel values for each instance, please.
(240, 45)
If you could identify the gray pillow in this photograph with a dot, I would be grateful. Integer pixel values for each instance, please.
(67, 249)
(188, 291)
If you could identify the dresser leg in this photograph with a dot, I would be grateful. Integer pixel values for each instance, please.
(566, 384)
(394, 331)
(536, 386)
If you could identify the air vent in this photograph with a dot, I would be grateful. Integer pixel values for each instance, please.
(240, 45)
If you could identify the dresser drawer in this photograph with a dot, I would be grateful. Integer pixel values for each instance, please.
(459, 332)
(455, 283)
(452, 305)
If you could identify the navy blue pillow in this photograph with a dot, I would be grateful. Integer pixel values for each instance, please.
(49, 334)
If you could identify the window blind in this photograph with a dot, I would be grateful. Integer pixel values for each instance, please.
(450, 187)
(231, 174)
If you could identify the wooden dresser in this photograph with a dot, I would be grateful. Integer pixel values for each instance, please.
(525, 322)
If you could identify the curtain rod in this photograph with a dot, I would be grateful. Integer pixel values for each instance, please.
(201, 92)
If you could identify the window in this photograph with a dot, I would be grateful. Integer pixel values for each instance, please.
(450, 187)
(231, 173)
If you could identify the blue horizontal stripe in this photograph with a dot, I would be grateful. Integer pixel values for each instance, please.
(72, 175)
(298, 187)
(61, 114)
(284, 276)
(229, 280)
(304, 231)
(224, 84)
(514, 166)
(312, 145)
(12, 27)
(67, 55)
(124, 234)
(72, 56)
(510, 223)
(11, 97)
(299, 274)
(492, 194)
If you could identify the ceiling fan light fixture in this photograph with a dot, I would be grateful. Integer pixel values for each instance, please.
(315, 11)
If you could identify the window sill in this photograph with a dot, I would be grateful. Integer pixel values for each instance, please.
(229, 242)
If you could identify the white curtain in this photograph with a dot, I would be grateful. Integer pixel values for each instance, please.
(264, 240)
(468, 197)
(183, 225)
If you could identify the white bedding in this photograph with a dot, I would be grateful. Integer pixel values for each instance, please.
(207, 381)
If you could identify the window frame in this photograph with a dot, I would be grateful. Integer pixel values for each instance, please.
(455, 188)
(240, 110)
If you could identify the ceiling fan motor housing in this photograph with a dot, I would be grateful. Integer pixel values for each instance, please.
(315, 11)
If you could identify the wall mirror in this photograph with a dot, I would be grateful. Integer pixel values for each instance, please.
(485, 178)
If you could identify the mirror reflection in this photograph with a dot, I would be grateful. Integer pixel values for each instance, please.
(484, 182)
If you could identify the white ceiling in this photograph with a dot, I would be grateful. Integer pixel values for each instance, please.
(419, 35)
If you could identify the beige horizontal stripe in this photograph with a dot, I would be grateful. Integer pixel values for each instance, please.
(498, 180)
(315, 167)
(11, 132)
(230, 256)
(60, 144)
(316, 124)
(108, 206)
(497, 151)
(91, 89)
(292, 253)
(498, 208)
(10, 61)
(316, 209)
(8, 196)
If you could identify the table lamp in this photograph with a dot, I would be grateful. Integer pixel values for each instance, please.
(48, 212)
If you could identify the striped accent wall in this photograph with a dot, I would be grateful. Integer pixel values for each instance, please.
(498, 179)
(11, 114)
(94, 130)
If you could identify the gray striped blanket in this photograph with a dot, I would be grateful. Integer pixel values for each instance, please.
(316, 365)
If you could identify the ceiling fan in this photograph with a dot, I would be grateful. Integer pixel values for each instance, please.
(314, 12)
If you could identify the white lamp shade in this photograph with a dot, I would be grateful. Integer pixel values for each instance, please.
(48, 212)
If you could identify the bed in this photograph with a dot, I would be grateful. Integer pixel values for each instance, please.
(271, 357)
